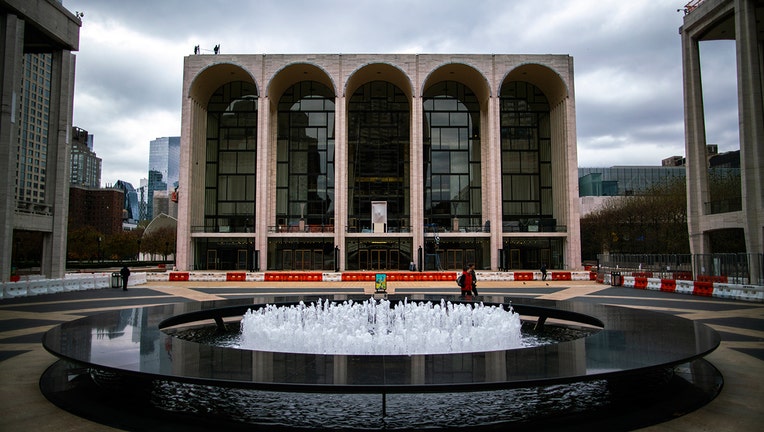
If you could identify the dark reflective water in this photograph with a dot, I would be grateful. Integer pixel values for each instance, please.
(362, 411)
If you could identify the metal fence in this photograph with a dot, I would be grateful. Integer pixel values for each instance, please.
(737, 268)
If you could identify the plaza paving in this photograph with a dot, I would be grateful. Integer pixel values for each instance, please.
(740, 358)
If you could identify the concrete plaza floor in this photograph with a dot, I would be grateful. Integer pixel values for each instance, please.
(740, 358)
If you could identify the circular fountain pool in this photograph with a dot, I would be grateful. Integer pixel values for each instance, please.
(136, 351)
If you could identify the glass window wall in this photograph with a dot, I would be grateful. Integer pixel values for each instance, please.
(378, 155)
(305, 158)
(452, 168)
(525, 156)
(231, 155)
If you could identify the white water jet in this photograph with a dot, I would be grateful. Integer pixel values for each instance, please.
(374, 327)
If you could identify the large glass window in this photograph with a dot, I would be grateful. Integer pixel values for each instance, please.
(452, 155)
(378, 155)
(229, 202)
(526, 156)
(305, 158)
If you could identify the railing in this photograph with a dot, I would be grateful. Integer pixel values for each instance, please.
(723, 206)
(307, 228)
(434, 228)
(740, 268)
(691, 6)
(222, 229)
(35, 208)
(367, 230)
(533, 225)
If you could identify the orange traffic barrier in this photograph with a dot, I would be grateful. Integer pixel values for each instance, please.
(561, 276)
(178, 276)
(701, 288)
(235, 276)
(668, 285)
(523, 276)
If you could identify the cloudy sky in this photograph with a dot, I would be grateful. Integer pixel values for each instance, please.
(627, 60)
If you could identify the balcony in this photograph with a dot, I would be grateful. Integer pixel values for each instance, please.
(533, 225)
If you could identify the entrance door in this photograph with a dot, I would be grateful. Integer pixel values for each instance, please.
(363, 259)
(302, 259)
(454, 259)
(318, 259)
(286, 259)
(212, 259)
(241, 259)
(514, 259)
(378, 259)
(546, 256)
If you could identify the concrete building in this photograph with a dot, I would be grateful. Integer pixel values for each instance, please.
(37, 87)
(372, 162)
(738, 20)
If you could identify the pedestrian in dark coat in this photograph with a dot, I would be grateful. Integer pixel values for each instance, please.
(125, 272)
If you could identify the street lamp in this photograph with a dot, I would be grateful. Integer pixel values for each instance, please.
(99, 248)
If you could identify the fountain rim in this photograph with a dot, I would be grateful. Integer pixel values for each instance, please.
(628, 362)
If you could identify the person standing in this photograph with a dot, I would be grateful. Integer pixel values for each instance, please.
(543, 272)
(474, 278)
(125, 272)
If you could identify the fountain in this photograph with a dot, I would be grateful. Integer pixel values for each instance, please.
(616, 360)
(378, 327)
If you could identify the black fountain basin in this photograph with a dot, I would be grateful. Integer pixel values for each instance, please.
(631, 347)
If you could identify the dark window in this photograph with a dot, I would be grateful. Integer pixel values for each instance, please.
(305, 156)
(452, 171)
(229, 204)
(378, 154)
(526, 161)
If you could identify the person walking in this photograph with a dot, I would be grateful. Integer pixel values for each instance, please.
(474, 278)
(125, 272)
(466, 282)
(543, 272)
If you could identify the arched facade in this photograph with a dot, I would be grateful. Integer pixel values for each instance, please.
(371, 162)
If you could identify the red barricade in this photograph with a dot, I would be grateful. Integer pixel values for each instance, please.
(523, 276)
(178, 276)
(640, 282)
(235, 276)
(705, 289)
(561, 276)
(668, 285)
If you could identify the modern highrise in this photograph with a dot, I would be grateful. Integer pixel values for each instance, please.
(132, 212)
(375, 161)
(37, 73)
(85, 165)
(164, 160)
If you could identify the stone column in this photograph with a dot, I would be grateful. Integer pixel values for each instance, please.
(751, 114)
(12, 40)
(695, 142)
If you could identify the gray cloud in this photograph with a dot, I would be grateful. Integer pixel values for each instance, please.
(627, 57)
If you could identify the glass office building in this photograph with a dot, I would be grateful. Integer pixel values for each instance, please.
(625, 180)
(164, 160)
(374, 162)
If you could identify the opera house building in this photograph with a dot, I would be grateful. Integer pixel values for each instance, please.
(335, 162)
